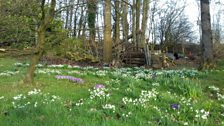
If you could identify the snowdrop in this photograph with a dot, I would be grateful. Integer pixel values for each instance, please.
(56, 66)
(2, 97)
(144, 97)
(19, 97)
(185, 124)
(79, 103)
(202, 114)
(8, 73)
(48, 71)
(101, 73)
(214, 88)
(100, 93)
(34, 91)
(127, 114)
(35, 104)
(109, 107)
(220, 96)
(155, 84)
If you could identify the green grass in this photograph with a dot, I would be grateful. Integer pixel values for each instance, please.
(171, 98)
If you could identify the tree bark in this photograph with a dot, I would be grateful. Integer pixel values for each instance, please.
(67, 15)
(138, 9)
(75, 21)
(107, 46)
(134, 22)
(124, 20)
(206, 42)
(81, 22)
(92, 7)
(45, 21)
(117, 27)
(144, 26)
(71, 17)
(144, 21)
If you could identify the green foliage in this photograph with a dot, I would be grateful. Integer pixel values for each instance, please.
(74, 49)
(17, 24)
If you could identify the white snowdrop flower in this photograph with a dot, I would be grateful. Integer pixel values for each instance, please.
(109, 106)
(39, 65)
(18, 97)
(222, 114)
(35, 104)
(18, 64)
(214, 88)
(34, 91)
(54, 97)
(204, 117)
(185, 123)
(196, 116)
(79, 103)
(156, 84)
(2, 97)
(202, 114)
(222, 105)
(93, 110)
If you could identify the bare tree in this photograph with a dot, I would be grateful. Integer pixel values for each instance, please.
(45, 20)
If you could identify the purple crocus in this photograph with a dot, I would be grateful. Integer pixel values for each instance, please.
(99, 86)
(70, 78)
(174, 106)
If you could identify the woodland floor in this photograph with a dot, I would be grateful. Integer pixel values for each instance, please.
(100, 96)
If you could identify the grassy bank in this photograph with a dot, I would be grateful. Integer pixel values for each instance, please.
(87, 96)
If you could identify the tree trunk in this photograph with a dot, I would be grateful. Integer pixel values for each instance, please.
(45, 21)
(117, 28)
(80, 22)
(144, 26)
(107, 46)
(67, 14)
(75, 22)
(134, 22)
(71, 17)
(29, 78)
(144, 21)
(92, 7)
(124, 20)
(206, 42)
(138, 9)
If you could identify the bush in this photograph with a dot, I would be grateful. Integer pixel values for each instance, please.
(74, 49)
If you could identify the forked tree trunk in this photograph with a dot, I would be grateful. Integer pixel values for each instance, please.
(29, 78)
(45, 21)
